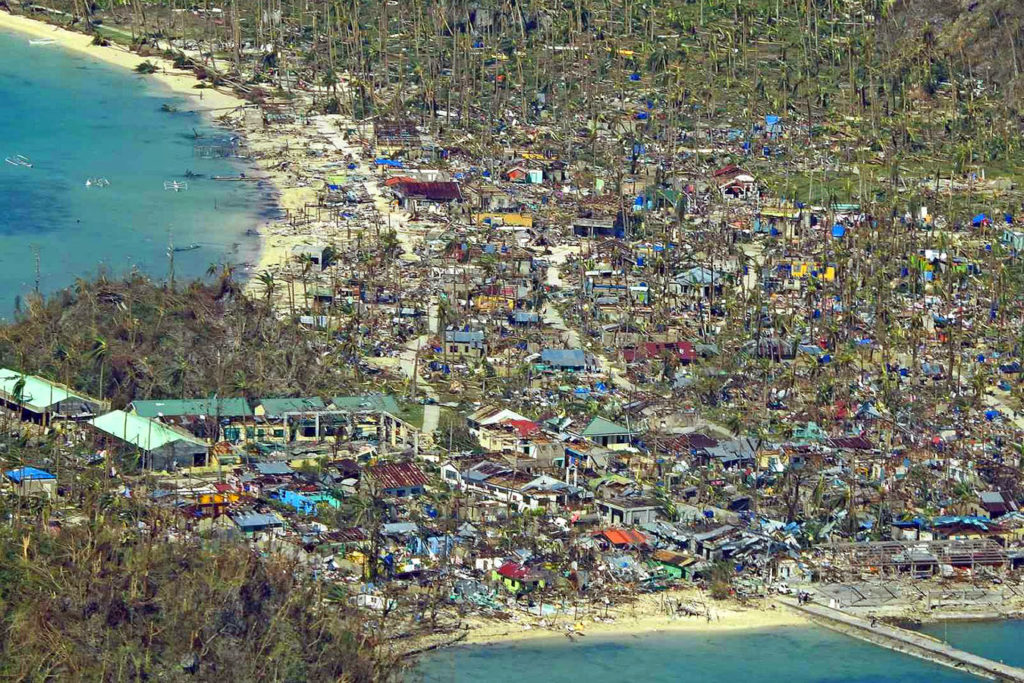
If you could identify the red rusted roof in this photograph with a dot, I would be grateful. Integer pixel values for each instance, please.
(435, 191)
(689, 442)
(683, 349)
(731, 169)
(523, 427)
(856, 443)
(398, 475)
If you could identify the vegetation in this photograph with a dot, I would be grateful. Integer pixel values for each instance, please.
(130, 338)
(117, 598)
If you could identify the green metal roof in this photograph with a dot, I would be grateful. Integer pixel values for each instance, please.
(222, 407)
(140, 431)
(275, 407)
(37, 394)
(377, 402)
(602, 427)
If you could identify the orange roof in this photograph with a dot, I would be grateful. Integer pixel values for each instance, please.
(623, 537)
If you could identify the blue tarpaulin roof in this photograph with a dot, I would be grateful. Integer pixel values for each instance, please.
(28, 474)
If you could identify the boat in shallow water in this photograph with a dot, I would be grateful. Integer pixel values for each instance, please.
(42, 41)
(19, 160)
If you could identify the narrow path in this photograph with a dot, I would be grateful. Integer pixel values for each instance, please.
(431, 416)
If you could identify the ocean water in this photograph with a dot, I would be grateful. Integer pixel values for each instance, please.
(791, 654)
(998, 640)
(77, 118)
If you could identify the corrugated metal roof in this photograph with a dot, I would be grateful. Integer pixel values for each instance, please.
(256, 519)
(366, 402)
(570, 358)
(274, 468)
(434, 191)
(209, 407)
(37, 393)
(599, 426)
(276, 407)
(398, 475)
(140, 431)
(623, 537)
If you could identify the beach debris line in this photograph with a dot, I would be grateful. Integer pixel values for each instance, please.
(241, 177)
(19, 160)
(175, 185)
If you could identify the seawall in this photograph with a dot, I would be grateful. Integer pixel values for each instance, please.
(907, 642)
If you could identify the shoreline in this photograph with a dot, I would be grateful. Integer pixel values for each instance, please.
(180, 82)
(646, 616)
(210, 103)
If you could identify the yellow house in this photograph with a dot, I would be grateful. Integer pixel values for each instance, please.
(523, 220)
(493, 303)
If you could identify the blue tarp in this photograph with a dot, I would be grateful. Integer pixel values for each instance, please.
(28, 474)
(838, 230)
(977, 220)
(392, 163)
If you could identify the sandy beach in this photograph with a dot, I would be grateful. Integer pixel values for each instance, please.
(181, 82)
(648, 614)
(208, 101)
(280, 153)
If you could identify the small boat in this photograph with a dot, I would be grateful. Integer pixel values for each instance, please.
(97, 182)
(175, 185)
(188, 248)
(19, 160)
(41, 41)
(237, 178)
(193, 174)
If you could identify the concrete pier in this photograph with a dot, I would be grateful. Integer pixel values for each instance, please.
(908, 642)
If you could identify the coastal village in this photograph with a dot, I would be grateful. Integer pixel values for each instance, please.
(591, 371)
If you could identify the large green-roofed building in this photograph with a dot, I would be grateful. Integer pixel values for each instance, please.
(367, 402)
(38, 399)
(192, 407)
(163, 447)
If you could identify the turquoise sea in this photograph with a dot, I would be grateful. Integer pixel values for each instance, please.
(77, 118)
(791, 654)
(998, 640)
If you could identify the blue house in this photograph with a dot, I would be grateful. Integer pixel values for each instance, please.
(306, 503)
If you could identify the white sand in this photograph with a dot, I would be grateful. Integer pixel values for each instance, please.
(181, 82)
